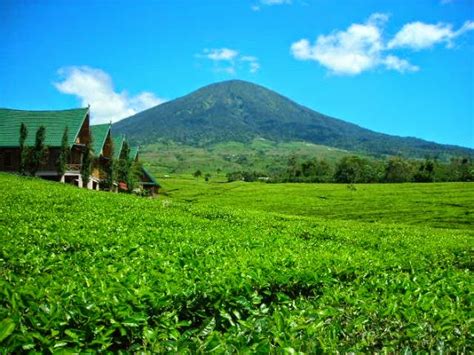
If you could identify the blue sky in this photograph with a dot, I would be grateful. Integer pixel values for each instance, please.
(398, 67)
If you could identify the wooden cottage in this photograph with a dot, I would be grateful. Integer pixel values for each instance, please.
(55, 123)
(147, 181)
(81, 137)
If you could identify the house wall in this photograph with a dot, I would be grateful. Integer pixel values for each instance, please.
(107, 150)
(9, 159)
(84, 136)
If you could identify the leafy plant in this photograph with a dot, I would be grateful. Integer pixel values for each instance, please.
(24, 150)
(64, 154)
(247, 267)
(39, 152)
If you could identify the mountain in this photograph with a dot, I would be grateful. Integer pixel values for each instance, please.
(241, 111)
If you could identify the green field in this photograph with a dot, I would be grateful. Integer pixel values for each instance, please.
(246, 267)
(443, 205)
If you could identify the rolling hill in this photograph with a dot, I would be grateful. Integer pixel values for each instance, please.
(240, 111)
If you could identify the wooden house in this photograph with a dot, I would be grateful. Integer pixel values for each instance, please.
(81, 136)
(55, 123)
(146, 180)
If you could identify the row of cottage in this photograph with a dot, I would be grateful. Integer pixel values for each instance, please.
(81, 134)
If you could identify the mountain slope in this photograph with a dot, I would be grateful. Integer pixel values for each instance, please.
(241, 111)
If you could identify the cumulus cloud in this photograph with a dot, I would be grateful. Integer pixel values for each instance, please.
(419, 35)
(229, 61)
(351, 52)
(94, 87)
(362, 47)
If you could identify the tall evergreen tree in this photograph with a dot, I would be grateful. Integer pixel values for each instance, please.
(86, 166)
(123, 165)
(24, 151)
(39, 152)
(64, 154)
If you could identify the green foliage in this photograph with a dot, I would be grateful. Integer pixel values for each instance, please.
(112, 273)
(38, 154)
(24, 150)
(86, 166)
(398, 170)
(426, 171)
(64, 154)
(461, 169)
(354, 169)
(126, 170)
(238, 111)
(134, 174)
(123, 164)
(197, 174)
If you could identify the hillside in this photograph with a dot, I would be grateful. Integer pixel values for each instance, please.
(104, 272)
(259, 155)
(241, 111)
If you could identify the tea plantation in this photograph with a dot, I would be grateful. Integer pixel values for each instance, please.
(93, 271)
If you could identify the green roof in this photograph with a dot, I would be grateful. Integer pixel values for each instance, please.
(99, 135)
(153, 181)
(133, 153)
(118, 144)
(54, 121)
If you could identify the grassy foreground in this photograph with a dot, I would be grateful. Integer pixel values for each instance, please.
(83, 270)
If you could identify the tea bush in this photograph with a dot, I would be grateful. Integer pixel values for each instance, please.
(92, 271)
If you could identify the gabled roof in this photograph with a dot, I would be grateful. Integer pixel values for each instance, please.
(152, 181)
(133, 153)
(99, 136)
(54, 121)
(118, 145)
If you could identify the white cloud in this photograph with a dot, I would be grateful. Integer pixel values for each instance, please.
(230, 60)
(95, 87)
(361, 47)
(401, 65)
(419, 35)
(258, 6)
(221, 54)
(349, 52)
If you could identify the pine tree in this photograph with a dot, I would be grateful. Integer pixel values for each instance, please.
(124, 166)
(39, 152)
(86, 166)
(64, 154)
(24, 150)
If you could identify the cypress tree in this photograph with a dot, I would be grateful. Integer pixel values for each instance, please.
(24, 151)
(86, 166)
(64, 154)
(39, 152)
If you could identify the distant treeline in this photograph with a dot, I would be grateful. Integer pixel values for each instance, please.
(355, 169)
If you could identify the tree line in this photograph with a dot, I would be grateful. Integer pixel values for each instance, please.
(356, 169)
